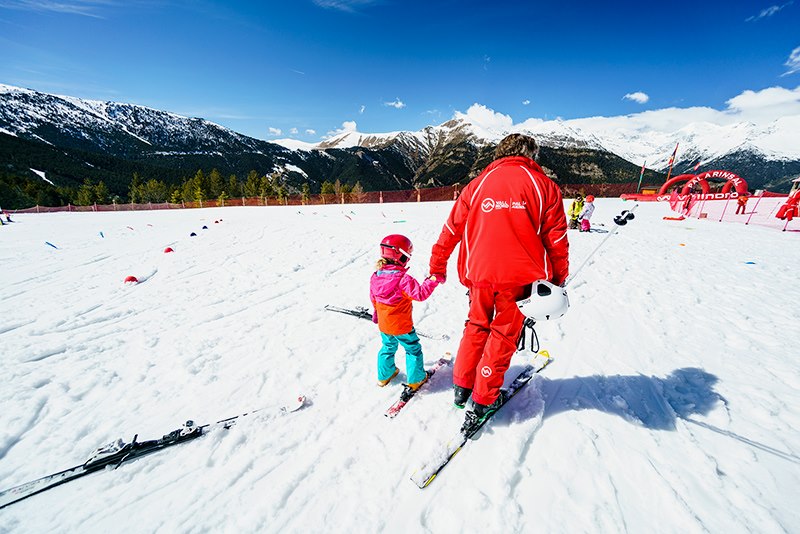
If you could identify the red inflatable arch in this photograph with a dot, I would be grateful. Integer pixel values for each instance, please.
(676, 180)
(731, 181)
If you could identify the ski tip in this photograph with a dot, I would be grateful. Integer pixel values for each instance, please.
(298, 403)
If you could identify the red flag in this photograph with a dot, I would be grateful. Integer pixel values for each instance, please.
(672, 157)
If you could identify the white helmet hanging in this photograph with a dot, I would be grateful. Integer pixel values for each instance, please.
(547, 302)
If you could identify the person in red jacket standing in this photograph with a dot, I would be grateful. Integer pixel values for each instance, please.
(512, 227)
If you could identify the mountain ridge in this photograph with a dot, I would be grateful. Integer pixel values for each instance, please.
(114, 139)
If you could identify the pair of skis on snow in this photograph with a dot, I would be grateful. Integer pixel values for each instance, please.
(116, 453)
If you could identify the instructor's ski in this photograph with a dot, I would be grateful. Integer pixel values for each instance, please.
(363, 313)
(118, 452)
(423, 476)
(409, 393)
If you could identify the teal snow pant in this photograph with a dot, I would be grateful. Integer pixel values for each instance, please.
(410, 342)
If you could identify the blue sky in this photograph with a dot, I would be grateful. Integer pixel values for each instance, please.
(275, 69)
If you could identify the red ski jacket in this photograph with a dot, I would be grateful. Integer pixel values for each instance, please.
(512, 227)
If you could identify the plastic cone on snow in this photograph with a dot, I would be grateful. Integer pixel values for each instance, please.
(168, 249)
(131, 280)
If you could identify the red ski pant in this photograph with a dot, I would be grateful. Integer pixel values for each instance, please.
(489, 341)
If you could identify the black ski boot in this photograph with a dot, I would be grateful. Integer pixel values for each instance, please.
(460, 396)
(475, 417)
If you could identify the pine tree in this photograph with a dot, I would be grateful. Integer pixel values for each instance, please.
(305, 194)
(101, 193)
(215, 184)
(327, 188)
(85, 195)
(234, 189)
(251, 185)
(133, 191)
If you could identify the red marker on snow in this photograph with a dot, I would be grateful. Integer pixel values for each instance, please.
(131, 280)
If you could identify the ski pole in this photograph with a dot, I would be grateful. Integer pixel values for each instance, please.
(620, 220)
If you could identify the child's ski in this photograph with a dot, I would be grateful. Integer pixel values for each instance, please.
(363, 313)
(423, 476)
(409, 393)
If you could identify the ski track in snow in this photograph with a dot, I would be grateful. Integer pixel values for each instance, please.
(671, 406)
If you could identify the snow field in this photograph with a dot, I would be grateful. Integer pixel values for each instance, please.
(671, 405)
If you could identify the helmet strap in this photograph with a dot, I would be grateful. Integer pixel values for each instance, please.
(528, 324)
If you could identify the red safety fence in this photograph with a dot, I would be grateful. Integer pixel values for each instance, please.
(761, 210)
(430, 194)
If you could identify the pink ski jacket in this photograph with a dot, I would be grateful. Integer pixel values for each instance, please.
(391, 291)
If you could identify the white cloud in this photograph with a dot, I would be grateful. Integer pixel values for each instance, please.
(793, 62)
(767, 105)
(349, 6)
(526, 102)
(275, 131)
(491, 122)
(347, 127)
(768, 12)
(361, 110)
(311, 132)
(293, 131)
(397, 104)
(638, 97)
(86, 8)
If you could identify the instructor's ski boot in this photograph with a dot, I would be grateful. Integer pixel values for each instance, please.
(479, 413)
(460, 396)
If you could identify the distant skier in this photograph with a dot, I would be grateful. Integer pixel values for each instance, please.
(392, 290)
(512, 230)
(791, 208)
(741, 203)
(573, 212)
(586, 214)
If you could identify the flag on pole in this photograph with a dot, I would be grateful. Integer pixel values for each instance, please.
(672, 160)
(641, 174)
(672, 157)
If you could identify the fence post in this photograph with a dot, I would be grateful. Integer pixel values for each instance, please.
(150, 205)
(381, 197)
(754, 209)
(418, 196)
(37, 208)
(242, 201)
(726, 207)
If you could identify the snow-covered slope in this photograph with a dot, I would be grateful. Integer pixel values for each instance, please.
(672, 404)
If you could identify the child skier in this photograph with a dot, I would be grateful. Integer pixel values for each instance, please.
(391, 290)
(586, 213)
(574, 211)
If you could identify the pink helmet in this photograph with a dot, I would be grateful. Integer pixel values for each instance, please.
(397, 248)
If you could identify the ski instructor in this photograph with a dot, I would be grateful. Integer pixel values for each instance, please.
(511, 224)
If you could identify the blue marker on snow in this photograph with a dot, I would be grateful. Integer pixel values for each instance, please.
(52, 245)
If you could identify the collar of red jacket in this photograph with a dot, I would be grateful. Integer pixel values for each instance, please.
(516, 160)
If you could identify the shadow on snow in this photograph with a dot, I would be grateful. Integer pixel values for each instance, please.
(649, 401)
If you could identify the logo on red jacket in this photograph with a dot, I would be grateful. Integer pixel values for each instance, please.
(487, 205)
(486, 371)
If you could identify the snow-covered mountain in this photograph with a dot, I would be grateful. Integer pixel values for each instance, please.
(119, 128)
(633, 139)
(597, 149)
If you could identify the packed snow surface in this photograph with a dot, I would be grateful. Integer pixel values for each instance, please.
(672, 404)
